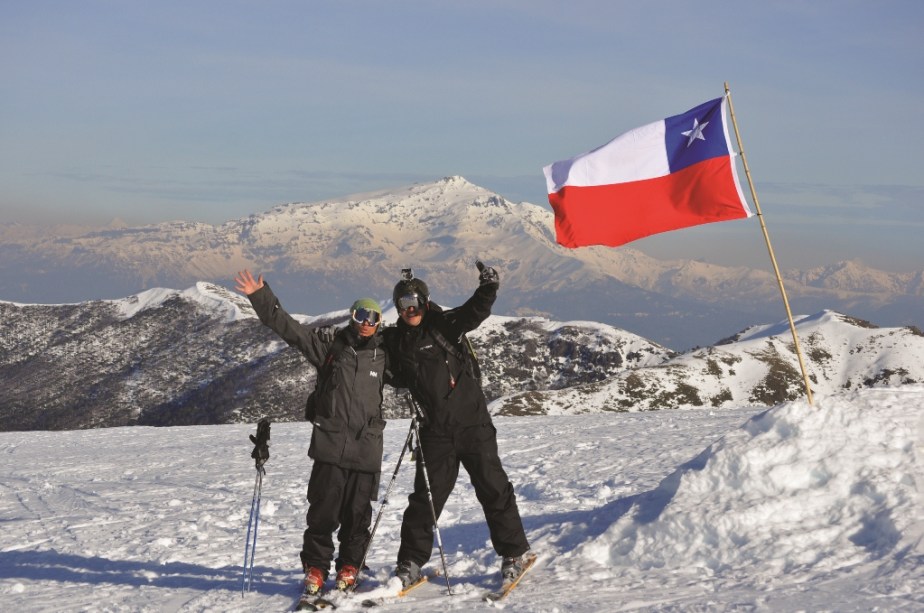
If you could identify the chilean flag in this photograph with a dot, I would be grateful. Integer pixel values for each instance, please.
(666, 175)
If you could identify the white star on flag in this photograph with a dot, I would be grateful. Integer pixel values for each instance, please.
(696, 132)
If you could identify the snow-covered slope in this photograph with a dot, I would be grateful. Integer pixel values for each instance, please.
(794, 508)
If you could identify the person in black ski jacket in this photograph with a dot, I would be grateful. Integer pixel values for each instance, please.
(435, 361)
(346, 442)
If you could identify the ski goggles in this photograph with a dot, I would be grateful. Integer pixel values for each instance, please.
(366, 316)
(407, 302)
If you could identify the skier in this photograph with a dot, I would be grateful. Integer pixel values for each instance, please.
(346, 442)
(435, 361)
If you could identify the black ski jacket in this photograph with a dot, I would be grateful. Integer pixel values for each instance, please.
(346, 405)
(444, 382)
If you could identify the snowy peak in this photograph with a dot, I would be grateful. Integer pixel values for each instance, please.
(446, 197)
(214, 300)
(854, 276)
(396, 218)
(320, 256)
(850, 329)
(830, 345)
(757, 366)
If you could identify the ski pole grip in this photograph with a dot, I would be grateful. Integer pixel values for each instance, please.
(415, 408)
(260, 451)
(263, 430)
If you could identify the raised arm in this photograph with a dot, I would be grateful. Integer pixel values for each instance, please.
(312, 344)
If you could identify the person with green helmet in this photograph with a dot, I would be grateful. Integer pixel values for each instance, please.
(345, 409)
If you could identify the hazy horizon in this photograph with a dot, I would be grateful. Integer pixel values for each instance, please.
(213, 111)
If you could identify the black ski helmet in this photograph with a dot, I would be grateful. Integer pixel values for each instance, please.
(406, 287)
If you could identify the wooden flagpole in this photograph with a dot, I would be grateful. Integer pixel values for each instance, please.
(763, 227)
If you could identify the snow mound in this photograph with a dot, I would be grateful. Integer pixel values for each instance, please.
(797, 488)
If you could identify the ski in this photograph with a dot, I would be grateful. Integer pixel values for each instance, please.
(314, 602)
(509, 586)
(375, 602)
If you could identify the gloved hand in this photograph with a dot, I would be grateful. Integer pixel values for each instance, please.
(327, 334)
(487, 276)
(260, 451)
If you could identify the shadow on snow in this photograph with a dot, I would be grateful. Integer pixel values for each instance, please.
(50, 565)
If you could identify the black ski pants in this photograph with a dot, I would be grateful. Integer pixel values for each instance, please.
(338, 497)
(475, 448)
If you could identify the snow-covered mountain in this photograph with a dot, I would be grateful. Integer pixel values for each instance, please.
(321, 256)
(200, 356)
(758, 366)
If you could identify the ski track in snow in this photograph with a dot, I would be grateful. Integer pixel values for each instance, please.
(147, 519)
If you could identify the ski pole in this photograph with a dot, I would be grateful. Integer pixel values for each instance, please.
(260, 454)
(423, 465)
(252, 522)
(378, 517)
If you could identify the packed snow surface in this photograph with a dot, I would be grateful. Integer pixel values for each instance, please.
(783, 509)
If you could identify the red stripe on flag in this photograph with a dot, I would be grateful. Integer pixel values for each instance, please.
(614, 215)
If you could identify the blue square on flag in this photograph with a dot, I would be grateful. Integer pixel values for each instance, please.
(694, 136)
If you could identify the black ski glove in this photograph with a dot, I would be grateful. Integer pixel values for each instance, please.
(487, 276)
(260, 451)
(327, 334)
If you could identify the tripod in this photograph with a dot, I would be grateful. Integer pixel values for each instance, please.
(414, 430)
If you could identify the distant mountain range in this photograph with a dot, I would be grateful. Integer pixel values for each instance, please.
(321, 256)
(758, 366)
(200, 356)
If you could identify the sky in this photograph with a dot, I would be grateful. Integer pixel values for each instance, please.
(210, 111)
(789, 508)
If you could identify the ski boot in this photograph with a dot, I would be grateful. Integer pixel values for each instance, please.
(346, 577)
(314, 580)
(408, 572)
(513, 567)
